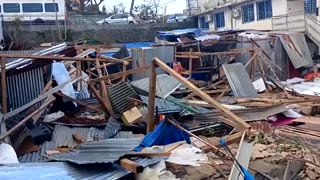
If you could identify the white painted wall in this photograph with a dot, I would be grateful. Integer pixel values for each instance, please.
(279, 7)
(294, 6)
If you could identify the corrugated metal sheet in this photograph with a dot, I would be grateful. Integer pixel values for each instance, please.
(119, 94)
(24, 87)
(143, 57)
(32, 51)
(164, 106)
(59, 170)
(245, 114)
(297, 49)
(36, 157)
(124, 135)
(148, 161)
(62, 135)
(104, 151)
(165, 85)
(23, 61)
(239, 81)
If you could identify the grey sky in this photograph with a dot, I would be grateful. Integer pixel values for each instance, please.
(173, 6)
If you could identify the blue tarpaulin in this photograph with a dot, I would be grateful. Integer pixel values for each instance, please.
(165, 133)
(130, 46)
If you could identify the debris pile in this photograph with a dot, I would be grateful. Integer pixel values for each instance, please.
(223, 105)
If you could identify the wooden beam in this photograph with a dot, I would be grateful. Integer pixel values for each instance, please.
(105, 94)
(46, 103)
(47, 87)
(147, 154)
(131, 165)
(4, 85)
(60, 58)
(152, 96)
(40, 98)
(79, 102)
(242, 125)
(120, 74)
(113, 60)
(97, 95)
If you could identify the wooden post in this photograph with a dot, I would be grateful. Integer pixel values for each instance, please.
(124, 68)
(242, 125)
(190, 63)
(152, 96)
(4, 85)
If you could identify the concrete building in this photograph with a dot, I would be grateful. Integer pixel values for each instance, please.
(250, 14)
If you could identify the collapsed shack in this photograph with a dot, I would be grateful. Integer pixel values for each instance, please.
(134, 114)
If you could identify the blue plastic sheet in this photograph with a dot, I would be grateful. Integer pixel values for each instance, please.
(165, 133)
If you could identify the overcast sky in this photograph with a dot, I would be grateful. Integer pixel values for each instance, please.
(173, 6)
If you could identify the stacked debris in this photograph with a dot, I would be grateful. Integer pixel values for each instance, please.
(228, 112)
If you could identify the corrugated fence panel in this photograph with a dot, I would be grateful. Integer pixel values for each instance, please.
(24, 87)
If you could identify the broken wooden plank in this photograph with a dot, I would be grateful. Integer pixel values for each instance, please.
(40, 98)
(46, 103)
(120, 74)
(105, 94)
(131, 165)
(242, 125)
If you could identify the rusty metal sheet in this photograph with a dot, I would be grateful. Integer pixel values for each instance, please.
(297, 49)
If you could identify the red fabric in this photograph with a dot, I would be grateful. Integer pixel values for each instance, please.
(177, 67)
(310, 76)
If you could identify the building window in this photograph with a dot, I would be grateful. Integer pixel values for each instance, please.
(32, 7)
(203, 23)
(219, 20)
(51, 7)
(11, 7)
(310, 6)
(247, 13)
(264, 9)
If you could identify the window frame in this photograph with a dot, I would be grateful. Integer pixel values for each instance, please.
(219, 16)
(309, 8)
(243, 8)
(22, 6)
(55, 7)
(266, 14)
(118, 16)
(4, 4)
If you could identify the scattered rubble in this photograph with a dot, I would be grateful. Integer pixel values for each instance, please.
(210, 110)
